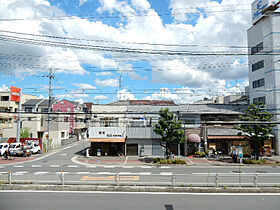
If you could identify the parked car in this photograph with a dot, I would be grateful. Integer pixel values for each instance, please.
(34, 147)
(3, 148)
(16, 148)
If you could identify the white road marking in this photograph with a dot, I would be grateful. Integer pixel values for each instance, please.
(105, 173)
(83, 172)
(54, 166)
(2, 166)
(145, 173)
(18, 166)
(90, 166)
(165, 173)
(3, 172)
(146, 167)
(61, 172)
(72, 166)
(36, 166)
(165, 167)
(122, 173)
(109, 166)
(128, 166)
(63, 154)
(40, 172)
(19, 173)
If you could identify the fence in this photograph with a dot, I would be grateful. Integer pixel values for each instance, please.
(141, 179)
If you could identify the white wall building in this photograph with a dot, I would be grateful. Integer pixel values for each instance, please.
(264, 59)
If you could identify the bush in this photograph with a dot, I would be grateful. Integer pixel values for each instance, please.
(250, 161)
(168, 161)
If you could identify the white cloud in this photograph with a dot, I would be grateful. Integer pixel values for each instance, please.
(84, 86)
(74, 95)
(141, 5)
(4, 88)
(107, 73)
(100, 97)
(125, 95)
(107, 83)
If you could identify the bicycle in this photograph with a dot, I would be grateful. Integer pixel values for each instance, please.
(8, 156)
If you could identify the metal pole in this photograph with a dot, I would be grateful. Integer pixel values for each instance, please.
(18, 120)
(205, 138)
(49, 109)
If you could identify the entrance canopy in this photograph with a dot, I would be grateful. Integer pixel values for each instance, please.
(194, 138)
(108, 140)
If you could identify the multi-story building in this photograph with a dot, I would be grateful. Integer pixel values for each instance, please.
(76, 115)
(6, 105)
(126, 127)
(264, 59)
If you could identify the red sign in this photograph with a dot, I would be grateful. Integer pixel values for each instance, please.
(15, 94)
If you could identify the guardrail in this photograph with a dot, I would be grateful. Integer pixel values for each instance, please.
(216, 180)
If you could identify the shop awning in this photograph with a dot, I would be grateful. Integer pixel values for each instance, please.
(227, 137)
(108, 140)
(194, 138)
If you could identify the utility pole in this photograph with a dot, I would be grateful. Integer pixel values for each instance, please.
(50, 76)
(18, 120)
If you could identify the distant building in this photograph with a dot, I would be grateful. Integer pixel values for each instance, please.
(6, 105)
(264, 60)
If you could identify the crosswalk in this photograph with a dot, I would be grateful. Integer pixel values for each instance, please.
(88, 166)
(21, 173)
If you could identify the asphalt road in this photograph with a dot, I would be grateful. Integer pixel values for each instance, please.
(62, 161)
(136, 201)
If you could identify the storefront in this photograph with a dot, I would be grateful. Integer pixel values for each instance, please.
(193, 144)
(107, 147)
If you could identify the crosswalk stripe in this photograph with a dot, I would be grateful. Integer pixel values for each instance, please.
(16, 166)
(40, 172)
(36, 166)
(109, 166)
(72, 166)
(54, 166)
(83, 172)
(61, 172)
(2, 166)
(145, 173)
(165, 173)
(165, 167)
(146, 167)
(105, 173)
(128, 166)
(90, 166)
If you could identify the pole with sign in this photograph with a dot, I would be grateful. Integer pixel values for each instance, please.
(15, 96)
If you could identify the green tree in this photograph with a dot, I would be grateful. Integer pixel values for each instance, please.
(169, 128)
(25, 133)
(258, 132)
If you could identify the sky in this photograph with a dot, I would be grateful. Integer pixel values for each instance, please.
(101, 51)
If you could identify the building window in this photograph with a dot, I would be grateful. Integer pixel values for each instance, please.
(28, 109)
(257, 65)
(45, 110)
(29, 118)
(258, 83)
(4, 98)
(62, 134)
(257, 48)
(260, 99)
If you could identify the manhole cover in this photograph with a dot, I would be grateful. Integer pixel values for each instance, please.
(237, 172)
(261, 172)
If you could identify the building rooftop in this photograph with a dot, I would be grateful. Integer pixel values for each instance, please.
(224, 132)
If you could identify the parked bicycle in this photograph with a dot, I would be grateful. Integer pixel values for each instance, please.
(217, 155)
(8, 155)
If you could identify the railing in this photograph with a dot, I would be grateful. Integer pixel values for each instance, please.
(214, 180)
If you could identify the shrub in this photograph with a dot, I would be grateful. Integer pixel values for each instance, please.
(250, 161)
(168, 161)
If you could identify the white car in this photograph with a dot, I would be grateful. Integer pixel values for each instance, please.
(16, 148)
(34, 147)
(3, 147)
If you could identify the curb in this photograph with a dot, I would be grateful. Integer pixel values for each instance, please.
(136, 189)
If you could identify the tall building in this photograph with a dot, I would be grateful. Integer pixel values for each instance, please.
(264, 59)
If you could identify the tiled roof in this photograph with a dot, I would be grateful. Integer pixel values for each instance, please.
(224, 132)
(212, 108)
(34, 102)
(152, 102)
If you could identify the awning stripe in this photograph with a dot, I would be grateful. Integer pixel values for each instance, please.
(109, 140)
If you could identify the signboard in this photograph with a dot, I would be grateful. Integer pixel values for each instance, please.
(258, 6)
(15, 94)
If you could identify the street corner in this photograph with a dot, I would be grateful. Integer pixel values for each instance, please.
(15, 160)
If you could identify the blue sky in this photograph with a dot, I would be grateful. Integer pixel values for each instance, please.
(150, 27)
